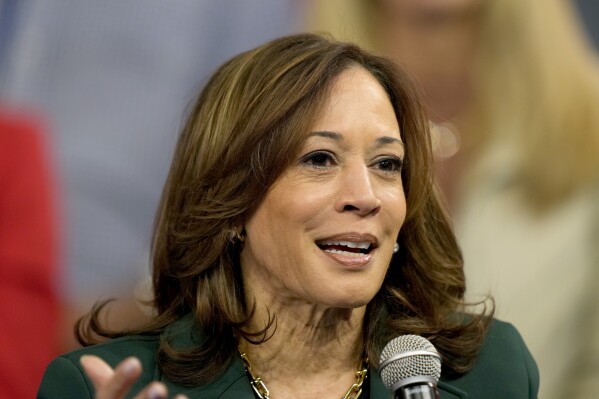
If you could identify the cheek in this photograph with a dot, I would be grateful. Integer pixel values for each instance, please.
(305, 209)
(282, 218)
(395, 205)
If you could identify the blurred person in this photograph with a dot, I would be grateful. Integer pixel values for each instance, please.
(299, 231)
(29, 237)
(512, 88)
(113, 80)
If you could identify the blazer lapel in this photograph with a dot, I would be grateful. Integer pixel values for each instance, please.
(233, 384)
(378, 390)
(448, 391)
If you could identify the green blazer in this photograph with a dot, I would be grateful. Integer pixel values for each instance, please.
(505, 369)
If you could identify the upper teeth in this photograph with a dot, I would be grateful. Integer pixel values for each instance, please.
(350, 244)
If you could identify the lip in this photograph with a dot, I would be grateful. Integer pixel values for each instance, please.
(354, 261)
(356, 237)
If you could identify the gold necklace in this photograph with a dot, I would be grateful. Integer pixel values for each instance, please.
(263, 393)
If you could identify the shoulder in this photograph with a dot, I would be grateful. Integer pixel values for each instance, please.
(65, 378)
(504, 368)
(115, 350)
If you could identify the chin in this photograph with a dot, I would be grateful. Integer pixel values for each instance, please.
(353, 300)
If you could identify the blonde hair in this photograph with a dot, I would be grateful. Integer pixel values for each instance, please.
(537, 80)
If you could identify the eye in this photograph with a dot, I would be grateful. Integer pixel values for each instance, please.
(389, 164)
(319, 159)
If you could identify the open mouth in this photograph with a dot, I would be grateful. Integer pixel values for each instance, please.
(346, 248)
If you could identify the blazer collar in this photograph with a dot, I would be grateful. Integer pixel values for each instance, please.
(233, 383)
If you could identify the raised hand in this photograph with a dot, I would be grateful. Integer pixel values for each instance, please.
(116, 383)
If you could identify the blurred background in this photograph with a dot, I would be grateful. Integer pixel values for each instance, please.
(92, 95)
(105, 86)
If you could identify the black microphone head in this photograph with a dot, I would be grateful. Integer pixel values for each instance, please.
(409, 359)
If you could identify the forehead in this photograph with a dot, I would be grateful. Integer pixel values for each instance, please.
(357, 79)
(357, 101)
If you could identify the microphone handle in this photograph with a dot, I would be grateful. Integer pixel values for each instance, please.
(422, 390)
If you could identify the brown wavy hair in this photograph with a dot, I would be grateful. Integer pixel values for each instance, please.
(246, 126)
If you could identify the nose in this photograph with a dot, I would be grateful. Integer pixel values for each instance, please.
(357, 193)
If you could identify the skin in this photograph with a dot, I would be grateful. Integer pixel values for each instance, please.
(115, 383)
(345, 185)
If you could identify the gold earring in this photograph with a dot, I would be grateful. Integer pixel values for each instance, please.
(237, 234)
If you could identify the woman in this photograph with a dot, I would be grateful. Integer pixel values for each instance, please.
(300, 227)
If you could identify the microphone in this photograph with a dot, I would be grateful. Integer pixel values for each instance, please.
(410, 368)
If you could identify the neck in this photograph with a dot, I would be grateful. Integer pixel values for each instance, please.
(313, 352)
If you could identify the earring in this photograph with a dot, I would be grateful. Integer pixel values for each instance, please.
(396, 248)
(237, 234)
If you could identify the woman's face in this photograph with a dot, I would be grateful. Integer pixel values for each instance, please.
(325, 231)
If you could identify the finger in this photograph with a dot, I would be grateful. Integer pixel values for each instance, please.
(97, 370)
(125, 375)
(181, 396)
(155, 390)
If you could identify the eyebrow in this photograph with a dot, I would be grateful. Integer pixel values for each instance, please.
(338, 137)
(329, 135)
